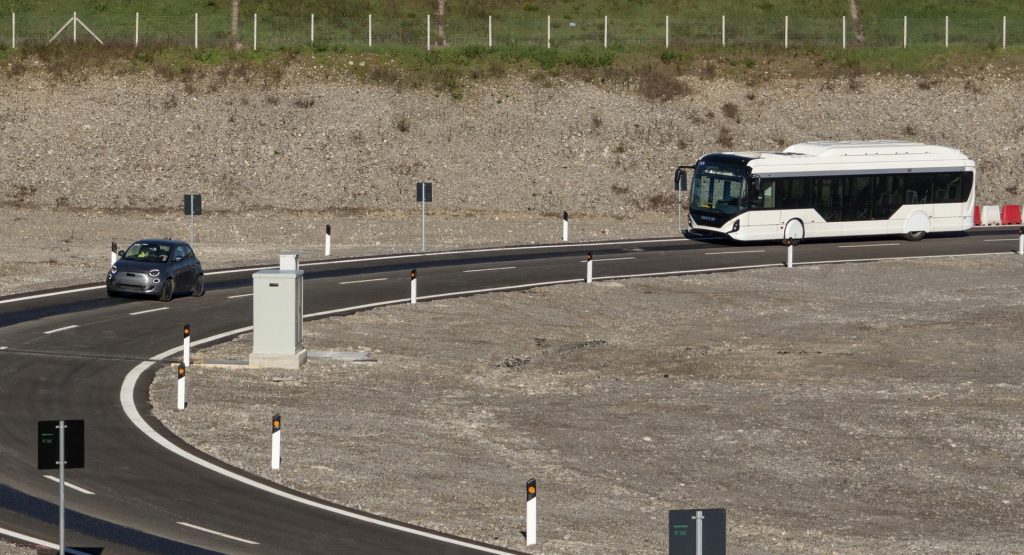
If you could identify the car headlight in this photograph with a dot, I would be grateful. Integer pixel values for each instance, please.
(113, 270)
(154, 273)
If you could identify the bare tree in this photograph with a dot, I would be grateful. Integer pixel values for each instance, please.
(442, 39)
(234, 24)
(858, 27)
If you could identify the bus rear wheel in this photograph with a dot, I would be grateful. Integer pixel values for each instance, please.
(914, 235)
(794, 232)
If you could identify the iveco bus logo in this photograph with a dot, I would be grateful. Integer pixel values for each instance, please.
(707, 218)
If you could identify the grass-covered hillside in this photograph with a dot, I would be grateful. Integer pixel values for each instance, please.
(385, 41)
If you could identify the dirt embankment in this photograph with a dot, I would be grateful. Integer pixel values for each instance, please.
(108, 158)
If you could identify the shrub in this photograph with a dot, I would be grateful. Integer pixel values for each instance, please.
(730, 111)
(658, 85)
(724, 137)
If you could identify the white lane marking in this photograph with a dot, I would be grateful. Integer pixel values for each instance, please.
(61, 329)
(131, 379)
(69, 484)
(39, 542)
(238, 296)
(150, 310)
(874, 245)
(610, 259)
(361, 281)
(990, 240)
(733, 252)
(3, 348)
(216, 533)
(489, 269)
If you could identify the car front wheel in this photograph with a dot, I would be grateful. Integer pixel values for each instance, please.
(167, 291)
(199, 288)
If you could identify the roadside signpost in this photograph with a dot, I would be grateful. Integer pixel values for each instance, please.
(531, 512)
(424, 194)
(61, 445)
(193, 208)
(696, 532)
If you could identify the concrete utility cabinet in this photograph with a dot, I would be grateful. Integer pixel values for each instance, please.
(277, 316)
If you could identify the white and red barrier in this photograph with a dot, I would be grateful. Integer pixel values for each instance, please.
(1007, 214)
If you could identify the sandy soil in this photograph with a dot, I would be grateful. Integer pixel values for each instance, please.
(860, 408)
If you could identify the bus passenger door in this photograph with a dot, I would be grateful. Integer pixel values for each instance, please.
(762, 218)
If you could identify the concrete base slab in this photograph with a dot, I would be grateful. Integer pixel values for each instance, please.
(355, 356)
(290, 362)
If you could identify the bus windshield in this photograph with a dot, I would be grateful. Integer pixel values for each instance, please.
(718, 187)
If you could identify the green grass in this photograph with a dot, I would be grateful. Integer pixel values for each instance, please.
(636, 53)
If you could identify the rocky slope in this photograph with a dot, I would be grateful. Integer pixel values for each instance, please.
(511, 145)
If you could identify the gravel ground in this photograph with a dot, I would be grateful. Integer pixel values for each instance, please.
(859, 408)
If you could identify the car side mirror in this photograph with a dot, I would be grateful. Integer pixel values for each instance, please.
(120, 254)
(680, 179)
(179, 258)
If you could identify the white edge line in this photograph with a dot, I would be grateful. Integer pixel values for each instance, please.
(361, 281)
(72, 326)
(131, 411)
(732, 252)
(128, 404)
(610, 259)
(489, 269)
(216, 533)
(147, 311)
(39, 542)
(874, 245)
(69, 484)
(991, 240)
(242, 295)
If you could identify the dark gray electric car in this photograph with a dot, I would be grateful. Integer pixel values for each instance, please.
(156, 267)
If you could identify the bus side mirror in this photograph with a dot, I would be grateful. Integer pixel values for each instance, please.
(680, 180)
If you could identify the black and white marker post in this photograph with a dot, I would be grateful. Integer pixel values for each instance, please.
(327, 241)
(1020, 245)
(565, 226)
(424, 194)
(181, 386)
(531, 512)
(789, 252)
(186, 349)
(590, 268)
(275, 442)
(412, 287)
(113, 252)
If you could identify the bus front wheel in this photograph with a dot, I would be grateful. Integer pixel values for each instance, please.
(914, 235)
(794, 231)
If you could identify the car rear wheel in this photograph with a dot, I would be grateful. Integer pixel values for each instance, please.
(112, 293)
(167, 291)
(199, 289)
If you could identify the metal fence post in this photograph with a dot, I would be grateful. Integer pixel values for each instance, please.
(312, 27)
(723, 30)
(370, 30)
(666, 32)
(785, 40)
(255, 30)
(904, 31)
(195, 33)
(136, 29)
(844, 32)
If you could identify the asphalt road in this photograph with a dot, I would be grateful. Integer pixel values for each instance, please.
(66, 355)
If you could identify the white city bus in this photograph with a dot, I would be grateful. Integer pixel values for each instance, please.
(832, 189)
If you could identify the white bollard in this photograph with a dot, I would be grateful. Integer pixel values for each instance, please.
(181, 387)
(113, 253)
(186, 350)
(531, 512)
(789, 253)
(327, 241)
(412, 287)
(1020, 247)
(565, 226)
(275, 443)
(590, 268)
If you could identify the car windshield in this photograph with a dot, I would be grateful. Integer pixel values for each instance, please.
(718, 187)
(154, 252)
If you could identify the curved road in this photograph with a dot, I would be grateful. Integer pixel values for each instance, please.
(66, 355)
